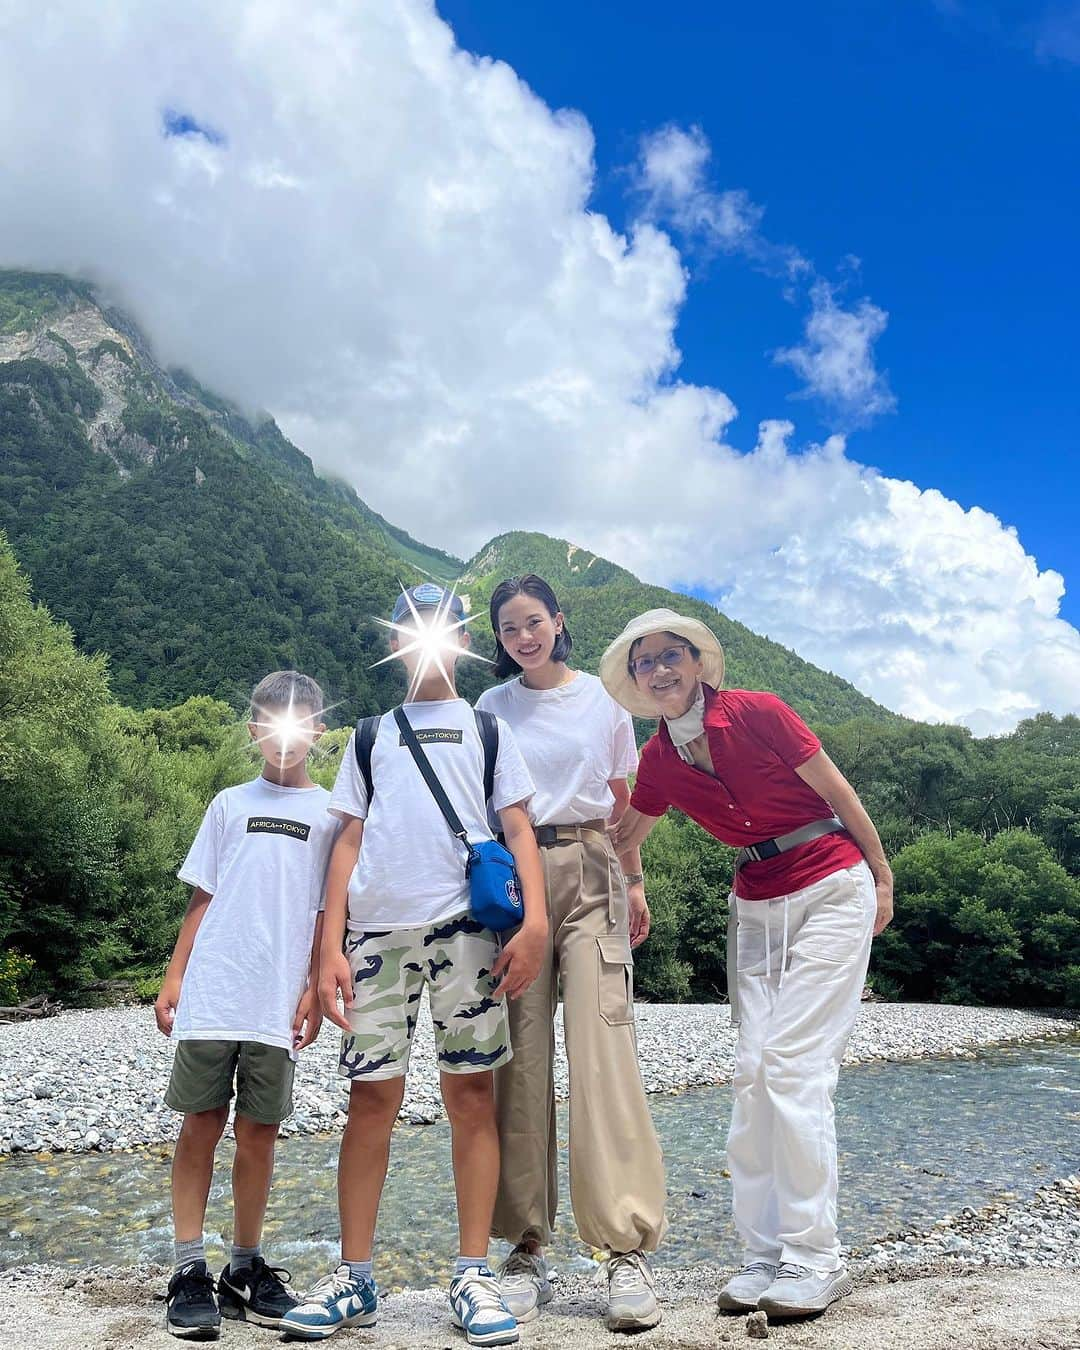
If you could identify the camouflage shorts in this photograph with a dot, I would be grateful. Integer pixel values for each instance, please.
(389, 971)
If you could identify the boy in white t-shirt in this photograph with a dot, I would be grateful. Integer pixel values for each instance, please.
(240, 999)
(397, 897)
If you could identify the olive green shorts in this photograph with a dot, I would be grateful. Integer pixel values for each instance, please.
(203, 1073)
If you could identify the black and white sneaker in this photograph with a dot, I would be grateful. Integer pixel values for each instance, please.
(191, 1311)
(257, 1293)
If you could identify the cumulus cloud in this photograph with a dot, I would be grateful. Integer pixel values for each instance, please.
(387, 242)
(905, 593)
(836, 358)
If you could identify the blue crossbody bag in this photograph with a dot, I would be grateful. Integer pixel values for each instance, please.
(495, 898)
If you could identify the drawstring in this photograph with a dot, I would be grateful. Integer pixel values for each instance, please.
(768, 943)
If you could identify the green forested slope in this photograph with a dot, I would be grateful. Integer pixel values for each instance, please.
(199, 548)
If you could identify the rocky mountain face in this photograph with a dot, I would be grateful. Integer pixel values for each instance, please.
(199, 548)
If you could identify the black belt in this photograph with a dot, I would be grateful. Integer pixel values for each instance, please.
(546, 835)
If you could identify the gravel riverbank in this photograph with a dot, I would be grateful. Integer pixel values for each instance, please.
(933, 1293)
(95, 1079)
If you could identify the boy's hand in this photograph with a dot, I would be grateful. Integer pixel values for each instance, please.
(335, 975)
(520, 960)
(165, 1005)
(308, 1019)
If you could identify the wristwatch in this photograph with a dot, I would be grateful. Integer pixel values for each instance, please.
(633, 878)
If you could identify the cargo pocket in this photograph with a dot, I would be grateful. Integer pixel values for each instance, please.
(615, 979)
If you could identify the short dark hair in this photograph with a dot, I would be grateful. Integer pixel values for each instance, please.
(282, 687)
(695, 652)
(537, 587)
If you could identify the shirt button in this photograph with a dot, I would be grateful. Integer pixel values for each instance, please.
(746, 822)
(730, 807)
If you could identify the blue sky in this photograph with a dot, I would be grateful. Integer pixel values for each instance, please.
(933, 142)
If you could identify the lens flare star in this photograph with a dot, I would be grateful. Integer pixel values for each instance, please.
(432, 637)
(287, 730)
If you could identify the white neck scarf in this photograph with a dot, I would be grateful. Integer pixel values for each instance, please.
(689, 726)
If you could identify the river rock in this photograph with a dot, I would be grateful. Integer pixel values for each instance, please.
(105, 1070)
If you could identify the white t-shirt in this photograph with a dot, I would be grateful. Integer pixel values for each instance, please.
(411, 869)
(261, 852)
(574, 739)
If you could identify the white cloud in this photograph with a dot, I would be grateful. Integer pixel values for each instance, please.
(836, 360)
(391, 249)
(1057, 33)
(936, 610)
(673, 180)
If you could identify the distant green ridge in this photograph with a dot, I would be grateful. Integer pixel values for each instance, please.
(599, 598)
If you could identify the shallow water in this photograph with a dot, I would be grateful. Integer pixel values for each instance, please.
(917, 1141)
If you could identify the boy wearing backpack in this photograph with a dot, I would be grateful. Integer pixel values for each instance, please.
(398, 899)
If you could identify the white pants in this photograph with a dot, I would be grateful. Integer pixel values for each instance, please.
(802, 962)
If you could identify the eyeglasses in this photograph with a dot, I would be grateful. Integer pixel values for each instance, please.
(670, 656)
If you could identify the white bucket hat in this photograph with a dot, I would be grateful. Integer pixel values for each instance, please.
(615, 673)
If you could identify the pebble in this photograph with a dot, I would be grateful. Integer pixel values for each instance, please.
(1042, 1231)
(96, 1079)
(757, 1326)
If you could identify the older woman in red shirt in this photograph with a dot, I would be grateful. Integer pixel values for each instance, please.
(812, 887)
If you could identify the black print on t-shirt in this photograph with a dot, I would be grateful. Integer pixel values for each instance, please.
(435, 735)
(293, 829)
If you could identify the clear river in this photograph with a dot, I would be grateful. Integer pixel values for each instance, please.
(917, 1141)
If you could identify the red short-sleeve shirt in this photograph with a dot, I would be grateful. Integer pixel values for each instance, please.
(756, 742)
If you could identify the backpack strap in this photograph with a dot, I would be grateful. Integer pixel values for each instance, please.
(431, 778)
(363, 744)
(488, 726)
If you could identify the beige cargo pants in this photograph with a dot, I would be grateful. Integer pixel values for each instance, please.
(617, 1186)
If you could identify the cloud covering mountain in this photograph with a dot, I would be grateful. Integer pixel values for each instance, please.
(337, 214)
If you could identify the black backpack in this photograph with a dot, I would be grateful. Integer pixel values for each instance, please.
(486, 724)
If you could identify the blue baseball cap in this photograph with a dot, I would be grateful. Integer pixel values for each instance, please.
(427, 596)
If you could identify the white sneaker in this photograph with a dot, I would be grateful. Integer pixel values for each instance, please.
(798, 1291)
(742, 1291)
(632, 1304)
(477, 1307)
(338, 1300)
(523, 1280)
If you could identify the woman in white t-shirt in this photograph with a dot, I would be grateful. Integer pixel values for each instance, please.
(579, 747)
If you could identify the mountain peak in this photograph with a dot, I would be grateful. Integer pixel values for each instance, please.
(558, 561)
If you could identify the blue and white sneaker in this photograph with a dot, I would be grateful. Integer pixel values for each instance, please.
(338, 1300)
(478, 1308)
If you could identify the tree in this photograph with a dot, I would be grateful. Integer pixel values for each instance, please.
(982, 921)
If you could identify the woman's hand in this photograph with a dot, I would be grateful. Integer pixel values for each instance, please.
(335, 975)
(520, 960)
(165, 1005)
(640, 919)
(884, 888)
